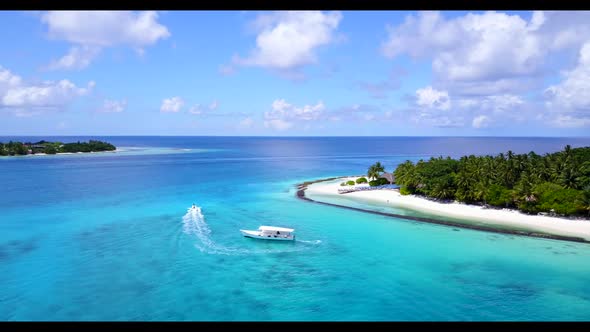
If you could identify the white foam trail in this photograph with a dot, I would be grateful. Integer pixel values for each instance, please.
(312, 242)
(194, 224)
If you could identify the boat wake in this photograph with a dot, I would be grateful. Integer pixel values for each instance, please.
(194, 224)
(312, 242)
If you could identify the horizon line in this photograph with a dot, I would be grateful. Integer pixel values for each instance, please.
(298, 136)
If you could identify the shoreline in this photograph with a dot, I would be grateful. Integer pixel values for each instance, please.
(66, 153)
(473, 217)
(124, 150)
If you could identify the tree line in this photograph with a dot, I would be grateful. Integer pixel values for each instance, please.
(555, 183)
(19, 148)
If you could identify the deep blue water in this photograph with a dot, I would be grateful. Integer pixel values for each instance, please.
(107, 237)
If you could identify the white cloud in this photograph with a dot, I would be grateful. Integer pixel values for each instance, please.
(199, 109)
(490, 53)
(569, 121)
(570, 99)
(284, 115)
(431, 98)
(23, 97)
(473, 47)
(114, 106)
(79, 57)
(499, 105)
(91, 31)
(280, 105)
(105, 28)
(492, 63)
(46, 94)
(26, 98)
(503, 103)
(564, 29)
(537, 20)
(481, 121)
(172, 105)
(287, 40)
(309, 112)
(8, 80)
(282, 109)
(278, 124)
(433, 107)
(501, 86)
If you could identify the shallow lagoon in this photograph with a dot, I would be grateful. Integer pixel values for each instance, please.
(85, 238)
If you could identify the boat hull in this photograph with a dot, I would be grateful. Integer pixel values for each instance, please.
(257, 235)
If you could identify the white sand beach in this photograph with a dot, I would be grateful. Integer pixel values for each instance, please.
(470, 214)
(68, 153)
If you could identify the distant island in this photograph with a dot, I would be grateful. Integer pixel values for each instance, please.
(556, 183)
(527, 194)
(44, 147)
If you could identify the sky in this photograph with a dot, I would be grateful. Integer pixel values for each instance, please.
(310, 73)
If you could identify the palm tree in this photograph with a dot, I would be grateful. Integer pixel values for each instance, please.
(524, 188)
(584, 200)
(481, 191)
(379, 168)
(511, 172)
(565, 169)
(375, 170)
(567, 153)
(372, 172)
(404, 174)
(568, 177)
(583, 179)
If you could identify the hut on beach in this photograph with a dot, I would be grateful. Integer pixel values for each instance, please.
(389, 177)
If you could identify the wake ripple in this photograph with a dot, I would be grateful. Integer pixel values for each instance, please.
(194, 224)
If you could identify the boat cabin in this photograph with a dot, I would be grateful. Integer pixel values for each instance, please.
(278, 232)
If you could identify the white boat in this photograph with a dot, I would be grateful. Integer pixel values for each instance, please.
(194, 208)
(271, 233)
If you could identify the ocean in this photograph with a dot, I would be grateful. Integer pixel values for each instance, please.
(107, 236)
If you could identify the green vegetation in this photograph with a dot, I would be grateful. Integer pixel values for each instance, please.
(375, 170)
(350, 183)
(556, 183)
(91, 146)
(18, 148)
(404, 191)
(378, 182)
(342, 184)
(361, 180)
(12, 149)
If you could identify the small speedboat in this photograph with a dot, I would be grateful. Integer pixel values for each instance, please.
(270, 233)
(194, 208)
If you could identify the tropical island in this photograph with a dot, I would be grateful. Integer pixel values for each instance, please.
(44, 147)
(527, 193)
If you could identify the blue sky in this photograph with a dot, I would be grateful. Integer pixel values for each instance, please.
(295, 73)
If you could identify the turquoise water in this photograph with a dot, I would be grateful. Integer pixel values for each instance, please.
(107, 237)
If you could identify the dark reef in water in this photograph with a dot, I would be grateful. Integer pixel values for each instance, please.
(303, 186)
(13, 249)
